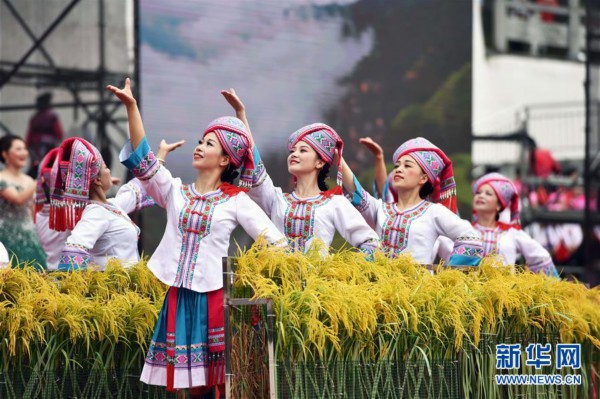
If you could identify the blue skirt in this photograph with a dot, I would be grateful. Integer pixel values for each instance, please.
(191, 343)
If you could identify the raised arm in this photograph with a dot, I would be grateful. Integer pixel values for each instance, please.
(136, 127)
(347, 177)
(380, 168)
(133, 195)
(365, 203)
(238, 106)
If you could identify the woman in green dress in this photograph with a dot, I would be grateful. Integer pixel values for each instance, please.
(17, 231)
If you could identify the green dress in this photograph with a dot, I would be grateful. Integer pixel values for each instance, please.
(18, 234)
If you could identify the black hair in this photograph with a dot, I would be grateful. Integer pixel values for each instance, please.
(229, 174)
(322, 177)
(426, 190)
(43, 101)
(5, 144)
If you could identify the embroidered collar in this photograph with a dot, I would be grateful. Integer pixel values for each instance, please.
(396, 226)
(295, 197)
(193, 194)
(408, 210)
(484, 228)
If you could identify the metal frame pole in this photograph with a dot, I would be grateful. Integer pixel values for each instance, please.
(38, 42)
(587, 225)
(228, 274)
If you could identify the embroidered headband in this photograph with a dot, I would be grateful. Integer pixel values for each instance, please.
(505, 190)
(235, 140)
(436, 165)
(77, 164)
(325, 141)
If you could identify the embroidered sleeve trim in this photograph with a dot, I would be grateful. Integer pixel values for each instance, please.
(74, 257)
(359, 197)
(260, 173)
(141, 161)
(545, 266)
(369, 247)
(142, 200)
(468, 251)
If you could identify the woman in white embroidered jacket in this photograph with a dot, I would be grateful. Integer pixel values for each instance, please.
(492, 194)
(100, 228)
(425, 208)
(187, 349)
(93, 243)
(311, 210)
(52, 241)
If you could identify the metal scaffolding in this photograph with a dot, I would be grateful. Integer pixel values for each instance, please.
(79, 82)
(592, 137)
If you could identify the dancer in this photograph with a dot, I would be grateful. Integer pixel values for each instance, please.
(492, 194)
(52, 241)
(414, 223)
(17, 231)
(101, 228)
(187, 349)
(312, 210)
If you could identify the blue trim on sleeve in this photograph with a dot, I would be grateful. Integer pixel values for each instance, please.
(462, 260)
(131, 158)
(357, 195)
(259, 168)
(73, 258)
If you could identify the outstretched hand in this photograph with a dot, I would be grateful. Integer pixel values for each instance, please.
(165, 148)
(233, 100)
(372, 146)
(124, 94)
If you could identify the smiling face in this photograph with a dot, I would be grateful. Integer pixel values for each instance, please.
(209, 153)
(303, 159)
(485, 200)
(16, 155)
(407, 174)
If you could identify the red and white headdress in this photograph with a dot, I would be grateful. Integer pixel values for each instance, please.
(77, 164)
(235, 140)
(505, 190)
(325, 141)
(436, 165)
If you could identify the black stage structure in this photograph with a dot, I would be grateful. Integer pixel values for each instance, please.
(51, 75)
(99, 109)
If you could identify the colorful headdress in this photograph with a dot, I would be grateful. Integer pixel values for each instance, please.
(325, 141)
(235, 140)
(44, 181)
(436, 165)
(505, 190)
(77, 164)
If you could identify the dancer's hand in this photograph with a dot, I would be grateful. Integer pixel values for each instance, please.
(165, 148)
(372, 146)
(124, 94)
(115, 180)
(233, 100)
(240, 110)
